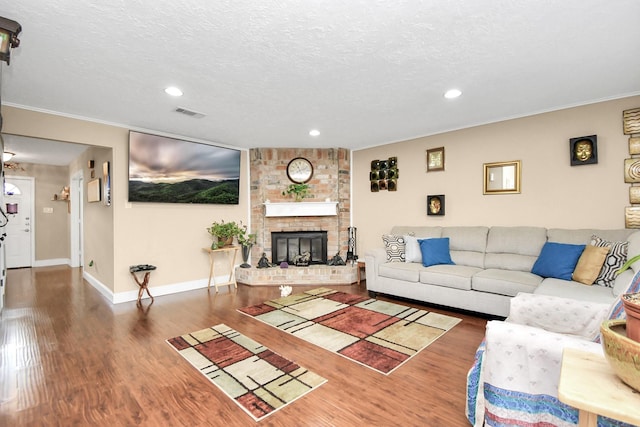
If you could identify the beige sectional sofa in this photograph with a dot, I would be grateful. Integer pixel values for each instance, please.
(491, 265)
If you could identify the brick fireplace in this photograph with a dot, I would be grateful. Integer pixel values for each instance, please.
(330, 183)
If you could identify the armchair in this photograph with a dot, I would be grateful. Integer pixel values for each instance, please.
(514, 380)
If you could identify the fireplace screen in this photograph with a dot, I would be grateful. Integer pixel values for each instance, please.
(285, 246)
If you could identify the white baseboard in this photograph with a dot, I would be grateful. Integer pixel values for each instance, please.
(106, 292)
(52, 262)
(156, 291)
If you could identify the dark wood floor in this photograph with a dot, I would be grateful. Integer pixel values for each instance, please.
(68, 357)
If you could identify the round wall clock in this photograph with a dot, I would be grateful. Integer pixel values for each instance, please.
(299, 170)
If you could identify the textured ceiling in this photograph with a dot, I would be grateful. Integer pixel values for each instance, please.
(364, 73)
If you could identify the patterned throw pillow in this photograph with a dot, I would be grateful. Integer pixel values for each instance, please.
(615, 260)
(394, 246)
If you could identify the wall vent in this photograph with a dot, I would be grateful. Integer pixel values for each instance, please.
(189, 113)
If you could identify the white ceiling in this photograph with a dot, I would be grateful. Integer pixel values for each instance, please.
(363, 72)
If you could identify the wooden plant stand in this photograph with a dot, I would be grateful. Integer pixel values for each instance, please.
(232, 271)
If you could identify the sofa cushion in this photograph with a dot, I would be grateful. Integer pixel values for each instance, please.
(409, 272)
(412, 249)
(574, 290)
(590, 264)
(514, 248)
(394, 246)
(505, 282)
(435, 251)
(449, 275)
(557, 260)
(467, 245)
(616, 258)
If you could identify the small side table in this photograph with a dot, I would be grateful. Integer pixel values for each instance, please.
(361, 268)
(232, 263)
(144, 285)
(588, 383)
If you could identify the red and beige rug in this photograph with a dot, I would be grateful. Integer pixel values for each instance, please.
(257, 379)
(378, 334)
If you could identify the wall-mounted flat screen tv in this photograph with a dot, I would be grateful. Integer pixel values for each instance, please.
(169, 170)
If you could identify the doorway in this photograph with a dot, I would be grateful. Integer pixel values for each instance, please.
(77, 243)
(18, 198)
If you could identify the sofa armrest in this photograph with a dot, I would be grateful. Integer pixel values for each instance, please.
(527, 359)
(373, 259)
(561, 315)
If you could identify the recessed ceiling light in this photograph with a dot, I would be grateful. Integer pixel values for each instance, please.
(452, 93)
(314, 132)
(173, 91)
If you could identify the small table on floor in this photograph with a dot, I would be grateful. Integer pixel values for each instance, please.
(588, 383)
(232, 263)
(144, 285)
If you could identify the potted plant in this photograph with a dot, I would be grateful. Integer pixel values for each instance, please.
(224, 232)
(631, 305)
(299, 191)
(246, 240)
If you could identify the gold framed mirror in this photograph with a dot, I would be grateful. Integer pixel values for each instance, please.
(502, 177)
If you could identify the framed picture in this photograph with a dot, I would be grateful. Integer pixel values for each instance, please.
(583, 150)
(93, 190)
(502, 177)
(435, 204)
(170, 170)
(435, 159)
(106, 179)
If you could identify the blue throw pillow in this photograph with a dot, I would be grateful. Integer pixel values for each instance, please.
(557, 260)
(435, 251)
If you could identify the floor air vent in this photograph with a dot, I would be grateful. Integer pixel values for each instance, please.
(189, 113)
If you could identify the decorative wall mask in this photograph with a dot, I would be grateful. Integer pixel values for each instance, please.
(583, 150)
(435, 204)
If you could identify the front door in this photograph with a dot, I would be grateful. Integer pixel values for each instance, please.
(18, 198)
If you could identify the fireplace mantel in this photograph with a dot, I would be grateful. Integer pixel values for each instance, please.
(301, 209)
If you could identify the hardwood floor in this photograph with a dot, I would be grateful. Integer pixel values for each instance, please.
(68, 357)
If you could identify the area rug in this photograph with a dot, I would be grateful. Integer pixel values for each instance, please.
(378, 334)
(257, 379)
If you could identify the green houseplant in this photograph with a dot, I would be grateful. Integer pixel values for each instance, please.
(299, 191)
(224, 232)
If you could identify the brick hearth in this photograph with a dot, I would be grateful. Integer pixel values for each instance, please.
(312, 275)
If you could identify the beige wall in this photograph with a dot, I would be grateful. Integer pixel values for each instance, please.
(51, 229)
(98, 224)
(554, 194)
(170, 236)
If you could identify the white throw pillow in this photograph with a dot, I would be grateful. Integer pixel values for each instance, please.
(412, 251)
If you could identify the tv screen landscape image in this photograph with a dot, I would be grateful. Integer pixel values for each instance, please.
(170, 170)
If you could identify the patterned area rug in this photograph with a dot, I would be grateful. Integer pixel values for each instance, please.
(257, 379)
(378, 334)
